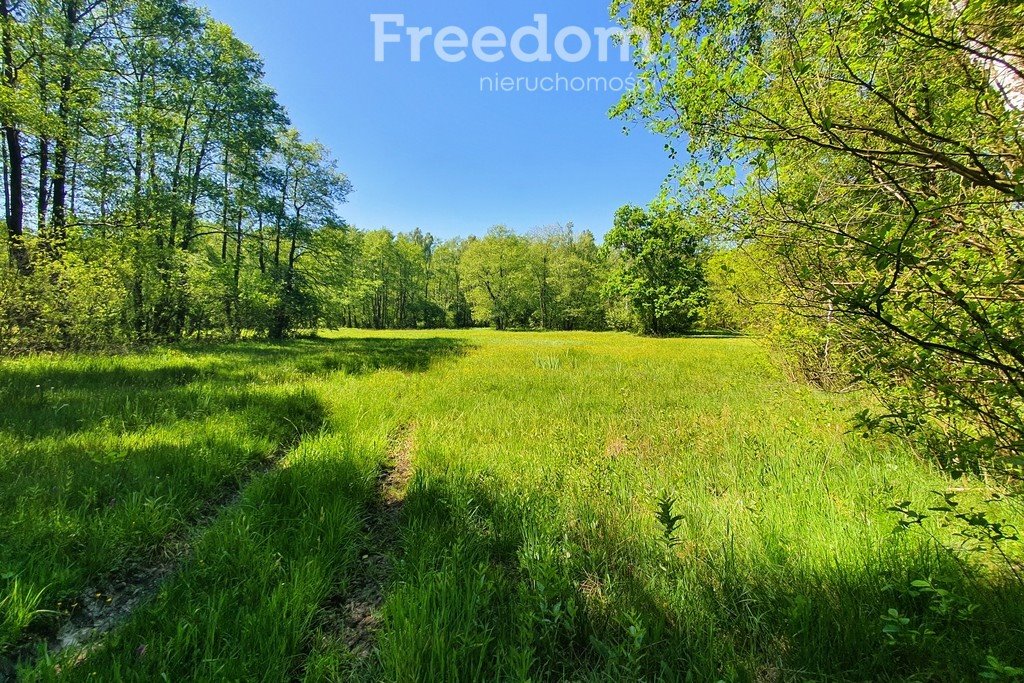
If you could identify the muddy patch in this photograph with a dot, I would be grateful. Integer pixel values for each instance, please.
(99, 612)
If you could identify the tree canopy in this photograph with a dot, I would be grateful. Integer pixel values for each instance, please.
(882, 169)
(661, 266)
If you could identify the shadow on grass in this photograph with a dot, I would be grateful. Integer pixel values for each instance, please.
(243, 607)
(703, 334)
(490, 589)
(312, 356)
(49, 395)
(108, 462)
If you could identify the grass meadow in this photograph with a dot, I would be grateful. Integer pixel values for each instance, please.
(575, 507)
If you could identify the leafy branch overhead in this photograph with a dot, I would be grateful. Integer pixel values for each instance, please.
(879, 151)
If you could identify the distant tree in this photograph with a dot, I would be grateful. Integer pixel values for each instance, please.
(578, 279)
(660, 271)
(570, 273)
(413, 253)
(13, 48)
(500, 285)
(309, 203)
(447, 290)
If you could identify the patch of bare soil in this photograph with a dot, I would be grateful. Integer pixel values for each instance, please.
(99, 612)
(93, 614)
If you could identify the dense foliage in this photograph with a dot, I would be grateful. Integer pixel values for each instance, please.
(649, 276)
(154, 192)
(662, 266)
(883, 169)
(152, 187)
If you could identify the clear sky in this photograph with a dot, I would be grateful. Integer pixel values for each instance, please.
(423, 144)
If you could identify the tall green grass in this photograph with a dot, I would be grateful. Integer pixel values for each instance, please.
(110, 463)
(533, 548)
(529, 545)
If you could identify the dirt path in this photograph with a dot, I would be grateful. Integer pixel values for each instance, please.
(355, 615)
(105, 606)
(360, 608)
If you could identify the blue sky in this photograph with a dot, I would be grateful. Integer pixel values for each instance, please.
(423, 146)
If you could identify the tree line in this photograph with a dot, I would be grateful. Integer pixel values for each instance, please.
(553, 278)
(155, 191)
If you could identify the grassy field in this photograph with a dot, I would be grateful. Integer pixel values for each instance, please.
(476, 506)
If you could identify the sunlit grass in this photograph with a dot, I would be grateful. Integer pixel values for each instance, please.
(109, 462)
(529, 546)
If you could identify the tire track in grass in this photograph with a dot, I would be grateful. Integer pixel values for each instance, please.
(355, 615)
(100, 610)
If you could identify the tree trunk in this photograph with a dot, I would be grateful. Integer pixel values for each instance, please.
(43, 192)
(236, 276)
(58, 233)
(15, 158)
(179, 159)
(282, 320)
(137, 161)
(280, 222)
(224, 212)
(197, 171)
(262, 245)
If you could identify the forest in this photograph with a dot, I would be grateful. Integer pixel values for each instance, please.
(146, 160)
(769, 426)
